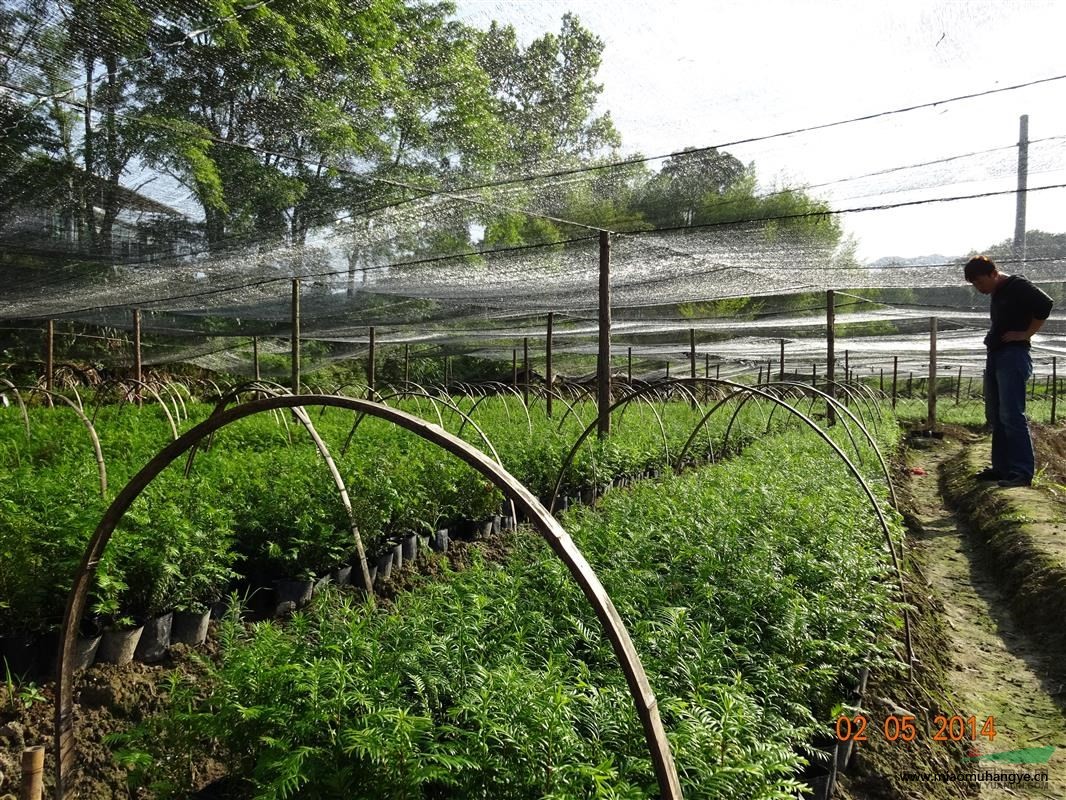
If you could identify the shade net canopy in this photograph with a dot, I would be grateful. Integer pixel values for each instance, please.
(449, 181)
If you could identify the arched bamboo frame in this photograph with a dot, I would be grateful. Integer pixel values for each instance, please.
(805, 387)
(304, 418)
(98, 453)
(555, 535)
(22, 405)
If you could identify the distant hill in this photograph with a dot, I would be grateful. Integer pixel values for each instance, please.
(914, 261)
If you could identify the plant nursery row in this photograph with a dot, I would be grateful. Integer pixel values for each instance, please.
(756, 590)
(257, 509)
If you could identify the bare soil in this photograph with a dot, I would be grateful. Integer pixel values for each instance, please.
(987, 567)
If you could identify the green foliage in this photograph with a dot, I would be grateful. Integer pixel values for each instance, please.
(751, 590)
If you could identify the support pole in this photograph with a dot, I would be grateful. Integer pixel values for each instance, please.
(549, 377)
(830, 356)
(447, 372)
(255, 357)
(1023, 180)
(958, 386)
(371, 366)
(692, 362)
(407, 362)
(49, 355)
(1054, 387)
(717, 371)
(781, 372)
(295, 335)
(814, 374)
(932, 374)
(969, 386)
(137, 363)
(629, 366)
(514, 367)
(895, 377)
(910, 384)
(1032, 387)
(525, 370)
(603, 366)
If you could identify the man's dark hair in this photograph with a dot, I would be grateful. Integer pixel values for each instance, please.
(978, 266)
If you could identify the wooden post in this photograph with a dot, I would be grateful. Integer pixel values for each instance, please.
(668, 369)
(717, 372)
(1023, 179)
(447, 372)
(881, 381)
(895, 377)
(137, 344)
(549, 377)
(514, 367)
(969, 386)
(603, 365)
(629, 366)
(1032, 387)
(49, 355)
(830, 355)
(32, 773)
(407, 362)
(1054, 386)
(255, 357)
(910, 384)
(814, 374)
(932, 374)
(758, 381)
(958, 386)
(295, 336)
(525, 370)
(692, 362)
(371, 366)
(781, 372)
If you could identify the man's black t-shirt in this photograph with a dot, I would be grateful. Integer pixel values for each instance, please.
(1015, 304)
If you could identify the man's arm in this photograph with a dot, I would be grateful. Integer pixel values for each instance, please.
(1026, 335)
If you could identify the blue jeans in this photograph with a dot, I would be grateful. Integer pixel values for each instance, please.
(1007, 371)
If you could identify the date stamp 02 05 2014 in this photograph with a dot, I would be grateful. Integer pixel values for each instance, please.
(906, 728)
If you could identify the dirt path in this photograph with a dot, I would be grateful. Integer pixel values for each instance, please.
(995, 671)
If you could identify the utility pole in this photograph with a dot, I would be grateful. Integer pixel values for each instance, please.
(1023, 182)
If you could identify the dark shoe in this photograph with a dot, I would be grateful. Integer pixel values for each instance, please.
(990, 474)
(1016, 480)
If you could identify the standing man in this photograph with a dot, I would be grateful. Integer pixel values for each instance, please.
(1018, 310)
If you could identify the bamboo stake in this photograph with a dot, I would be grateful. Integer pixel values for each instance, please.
(32, 773)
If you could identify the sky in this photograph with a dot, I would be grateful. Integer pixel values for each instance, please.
(680, 73)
